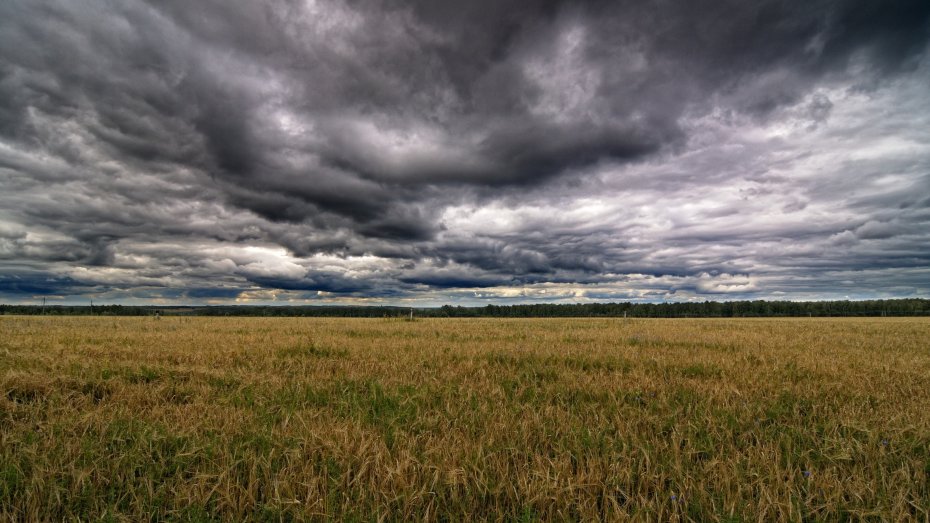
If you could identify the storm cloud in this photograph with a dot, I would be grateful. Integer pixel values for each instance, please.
(487, 151)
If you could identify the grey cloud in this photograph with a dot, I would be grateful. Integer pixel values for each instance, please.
(873, 230)
(610, 133)
(323, 282)
(33, 283)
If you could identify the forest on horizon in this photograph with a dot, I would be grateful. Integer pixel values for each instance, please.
(708, 309)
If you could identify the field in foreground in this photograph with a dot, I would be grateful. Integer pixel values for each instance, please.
(200, 419)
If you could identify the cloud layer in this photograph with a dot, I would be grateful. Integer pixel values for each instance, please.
(429, 153)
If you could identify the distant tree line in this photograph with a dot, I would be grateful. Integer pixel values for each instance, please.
(707, 309)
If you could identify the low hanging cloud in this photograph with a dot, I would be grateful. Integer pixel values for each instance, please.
(419, 152)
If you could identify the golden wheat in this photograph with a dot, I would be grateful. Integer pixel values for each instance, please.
(200, 419)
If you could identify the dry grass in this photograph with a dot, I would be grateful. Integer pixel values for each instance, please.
(352, 419)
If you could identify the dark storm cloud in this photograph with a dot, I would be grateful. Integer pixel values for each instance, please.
(37, 283)
(402, 148)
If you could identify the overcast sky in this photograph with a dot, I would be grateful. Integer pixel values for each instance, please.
(427, 152)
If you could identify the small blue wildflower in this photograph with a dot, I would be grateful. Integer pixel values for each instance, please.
(806, 473)
(884, 442)
(674, 497)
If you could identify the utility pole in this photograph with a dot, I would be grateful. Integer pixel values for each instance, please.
(43, 306)
(411, 313)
